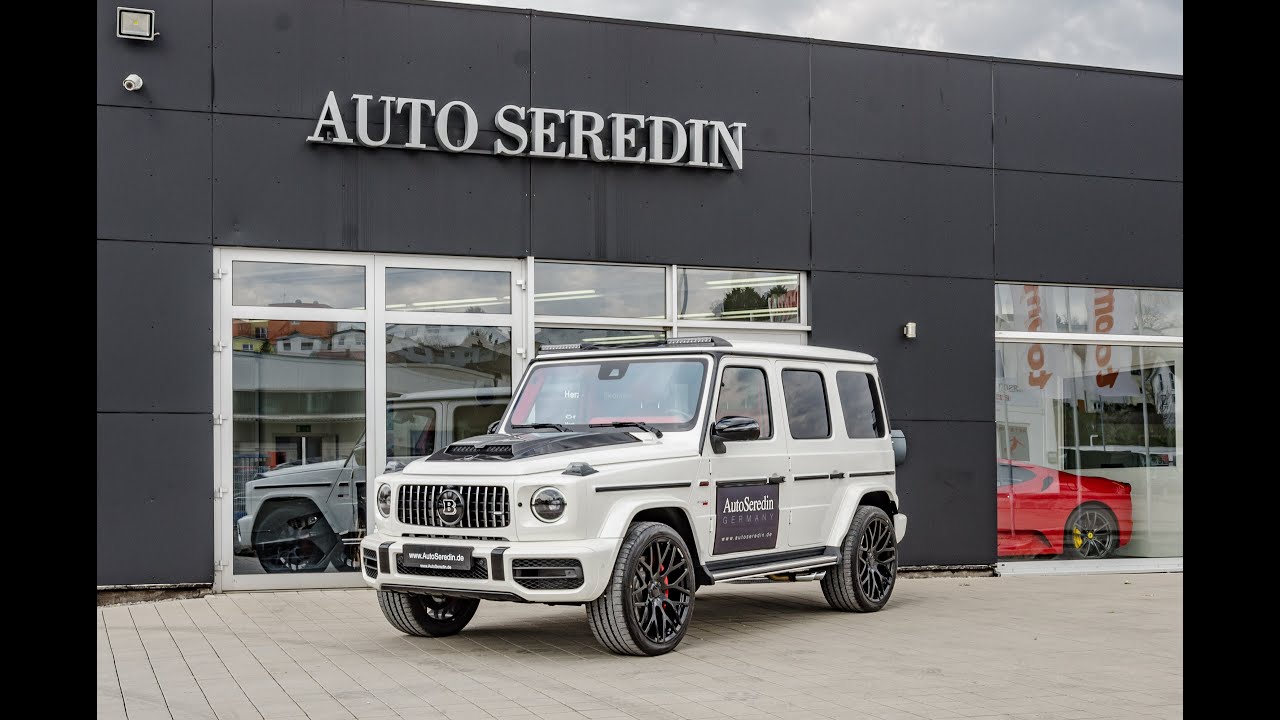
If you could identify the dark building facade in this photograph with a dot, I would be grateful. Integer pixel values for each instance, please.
(877, 187)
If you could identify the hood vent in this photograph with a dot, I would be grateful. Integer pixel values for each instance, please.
(465, 450)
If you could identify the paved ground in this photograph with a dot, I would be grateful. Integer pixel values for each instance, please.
(1101, 646)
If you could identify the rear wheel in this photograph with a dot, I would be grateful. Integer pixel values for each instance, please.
(1092, 533)
(426, 615)
(646, 608)
(864, 578)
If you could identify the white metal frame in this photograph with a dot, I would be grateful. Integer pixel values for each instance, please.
(375, 318)
(1114, 564)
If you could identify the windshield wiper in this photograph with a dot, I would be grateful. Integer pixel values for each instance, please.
(630, 423)
(542, 426)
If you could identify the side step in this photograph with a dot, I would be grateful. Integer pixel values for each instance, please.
(791, 560)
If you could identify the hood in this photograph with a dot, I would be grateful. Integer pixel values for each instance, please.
(499, 448)
(321, 470)
(532, 453)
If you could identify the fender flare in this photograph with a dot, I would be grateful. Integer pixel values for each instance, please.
(849, 502)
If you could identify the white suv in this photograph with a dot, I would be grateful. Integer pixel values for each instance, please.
(624, 478)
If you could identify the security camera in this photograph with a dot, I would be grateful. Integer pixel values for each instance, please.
(133, 82)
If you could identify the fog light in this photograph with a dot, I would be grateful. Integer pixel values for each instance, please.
(384, 500)
(548, 504)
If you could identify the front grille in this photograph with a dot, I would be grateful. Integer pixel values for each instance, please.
(547, 573)
(485, 506)
(479, 570)
(370, 562)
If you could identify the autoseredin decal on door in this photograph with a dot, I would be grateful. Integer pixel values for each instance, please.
(746, 518)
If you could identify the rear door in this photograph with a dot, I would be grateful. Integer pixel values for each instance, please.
(815, 455)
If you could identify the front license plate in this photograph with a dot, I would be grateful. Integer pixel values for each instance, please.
(437, 557)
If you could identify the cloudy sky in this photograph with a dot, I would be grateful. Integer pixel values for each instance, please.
(1130, 34)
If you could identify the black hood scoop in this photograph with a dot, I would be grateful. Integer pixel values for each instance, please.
(526, 445)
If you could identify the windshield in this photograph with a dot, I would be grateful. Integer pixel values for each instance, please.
(663, 393)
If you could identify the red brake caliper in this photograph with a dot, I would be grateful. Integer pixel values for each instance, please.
(665, 580)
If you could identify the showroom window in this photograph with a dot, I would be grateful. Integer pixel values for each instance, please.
(332, 365)
(1089, 423)
(608, 303)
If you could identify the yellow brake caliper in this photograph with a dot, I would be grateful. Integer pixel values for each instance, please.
(1076, 538)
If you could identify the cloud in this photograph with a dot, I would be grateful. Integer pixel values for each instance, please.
(1129, 34)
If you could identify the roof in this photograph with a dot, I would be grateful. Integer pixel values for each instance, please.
(716, 345)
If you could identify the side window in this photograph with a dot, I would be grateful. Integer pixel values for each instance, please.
(744, 391)
(806, 398)
(860, 403)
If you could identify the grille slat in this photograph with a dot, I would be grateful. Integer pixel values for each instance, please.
(370, 563)
(486, 506)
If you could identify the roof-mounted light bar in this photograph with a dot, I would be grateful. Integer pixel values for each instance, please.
(669, 342)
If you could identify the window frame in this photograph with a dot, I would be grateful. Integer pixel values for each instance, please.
(768, 397)
(826, 400)
(877, 404)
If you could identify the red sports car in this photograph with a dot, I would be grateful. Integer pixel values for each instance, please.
(1042, 511)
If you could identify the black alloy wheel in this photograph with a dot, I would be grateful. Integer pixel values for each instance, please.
(647, 606)
(661, 590)
(863, 579)
(1091, 533)
(877, 560)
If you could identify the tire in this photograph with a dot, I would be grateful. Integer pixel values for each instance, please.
(1091, 533)
(282, 548)
(347, 558)
(426, 615)
(646, 612)
(863, 579)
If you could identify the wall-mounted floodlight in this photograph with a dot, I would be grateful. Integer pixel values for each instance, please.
(135, 23)
(909, 330)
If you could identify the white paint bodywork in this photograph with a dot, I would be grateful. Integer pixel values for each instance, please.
(594, 523)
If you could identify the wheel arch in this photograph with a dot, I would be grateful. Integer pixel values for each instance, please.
(876, 495)
(678, 519)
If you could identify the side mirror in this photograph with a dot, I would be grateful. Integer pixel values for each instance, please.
(733, 428)
(899, 446)
(493, 426)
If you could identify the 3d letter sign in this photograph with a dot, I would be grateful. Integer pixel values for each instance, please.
(539, 132)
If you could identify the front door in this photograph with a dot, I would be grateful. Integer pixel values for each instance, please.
(749, 478)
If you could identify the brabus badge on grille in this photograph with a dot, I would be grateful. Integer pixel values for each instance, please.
(449, 507)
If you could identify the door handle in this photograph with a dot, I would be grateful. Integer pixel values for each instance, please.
(775, 478)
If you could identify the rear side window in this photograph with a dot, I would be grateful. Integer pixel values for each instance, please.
(863, 417)
(743, 391)
(806, 399)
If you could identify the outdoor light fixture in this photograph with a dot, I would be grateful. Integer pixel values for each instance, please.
(909, 330)
(135, 23)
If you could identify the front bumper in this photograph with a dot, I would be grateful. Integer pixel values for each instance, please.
(503, 576)
(899, 527)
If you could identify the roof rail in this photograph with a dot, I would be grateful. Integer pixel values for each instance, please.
(622, 344)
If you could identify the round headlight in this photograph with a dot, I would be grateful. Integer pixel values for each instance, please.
(384, 500)
(547, 504)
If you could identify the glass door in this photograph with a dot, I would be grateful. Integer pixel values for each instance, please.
(311, 348)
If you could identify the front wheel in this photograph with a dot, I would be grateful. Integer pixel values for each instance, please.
(646, 608)
(863, 579)
(426, 615)
(293, 538)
